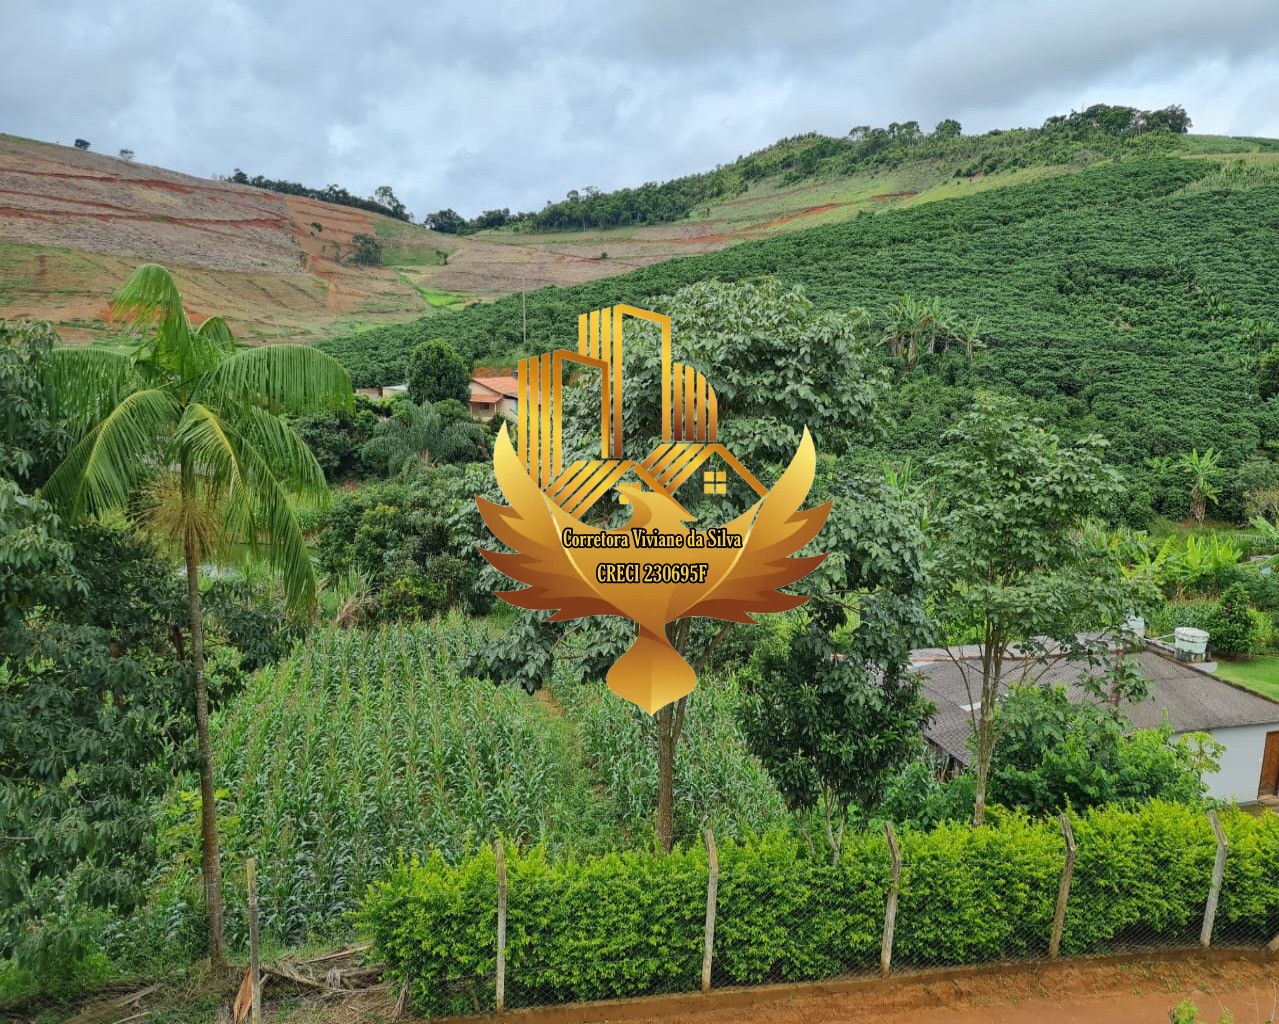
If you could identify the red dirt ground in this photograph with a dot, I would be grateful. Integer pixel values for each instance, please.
(1127, 990)
(802, 213)
(894, 195)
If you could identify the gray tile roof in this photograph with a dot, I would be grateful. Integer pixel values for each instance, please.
(1194, 701)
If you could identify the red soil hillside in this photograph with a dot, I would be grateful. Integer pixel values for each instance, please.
(74, 225)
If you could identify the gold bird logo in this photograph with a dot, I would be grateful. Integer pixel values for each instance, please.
(658, 567)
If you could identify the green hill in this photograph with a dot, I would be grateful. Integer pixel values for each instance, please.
(1134, 298)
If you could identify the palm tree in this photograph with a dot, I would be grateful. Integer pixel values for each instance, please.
(409, 437)
(191, 423)
(1204, 472)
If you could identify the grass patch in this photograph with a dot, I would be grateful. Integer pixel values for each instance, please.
(1259, 674)
(407, 245)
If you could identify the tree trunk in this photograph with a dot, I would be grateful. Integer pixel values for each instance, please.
(979, 804)
(670, 723)
(665, 778)
(992, 665)
(212, 868)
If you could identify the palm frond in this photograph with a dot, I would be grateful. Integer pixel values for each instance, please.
(256, 506)
(216, 335)
(114, 454)
(287, 378)
(84, 384)
(292, 461)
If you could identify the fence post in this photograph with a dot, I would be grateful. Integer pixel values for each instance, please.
(1063, 894)
(501, 925)
(890, 910)
(712, 891)
(255, 950)
(1218, 870)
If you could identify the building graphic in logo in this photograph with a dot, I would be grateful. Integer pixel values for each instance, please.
(659, 567)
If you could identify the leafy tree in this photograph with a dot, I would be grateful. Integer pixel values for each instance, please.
(366, 250)
(1009, 565)
(385, 195)
(448, 222)
(82, 144)
(437, 373)
(1230, 628)
(337, 438)
(193, 428)
(1205, 473)
(126, 155)
(29, 440)
(948, 129)
(1057, 753)
(90, 693)
(409, 437)
(1172, 119)
(836, 717)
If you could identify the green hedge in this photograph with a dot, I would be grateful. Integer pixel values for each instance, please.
(631, 924)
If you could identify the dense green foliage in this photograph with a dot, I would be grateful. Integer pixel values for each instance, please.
(95, 692)
(437, 374)
(1056, 753)
(829, 707)
(413, 541)
(415, 435)
(336, 438)
(1115, 299)
(967, 896)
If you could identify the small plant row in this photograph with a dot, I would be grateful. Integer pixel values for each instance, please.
(631, 924)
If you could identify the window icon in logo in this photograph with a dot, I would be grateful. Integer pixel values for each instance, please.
(715, 481)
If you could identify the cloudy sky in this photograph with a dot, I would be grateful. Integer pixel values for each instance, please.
(492, 103)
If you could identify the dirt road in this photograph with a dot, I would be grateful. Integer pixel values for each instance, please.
(1110, 991)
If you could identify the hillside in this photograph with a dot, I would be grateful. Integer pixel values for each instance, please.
(1134, 298)
(74, 224)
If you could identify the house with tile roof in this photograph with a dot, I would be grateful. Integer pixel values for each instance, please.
(494, 396)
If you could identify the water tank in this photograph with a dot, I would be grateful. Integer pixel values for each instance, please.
(1191, 644)
(1136, 625)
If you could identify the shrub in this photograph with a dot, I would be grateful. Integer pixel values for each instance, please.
(631, 924)
(1231, 630)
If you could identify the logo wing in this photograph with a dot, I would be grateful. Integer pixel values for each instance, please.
(528, 526)
(765, 562)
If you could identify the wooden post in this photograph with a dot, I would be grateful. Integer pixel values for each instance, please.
(1218, 870)
(712, 890)
(890, 911)
(501, 925)
(1063, 893)
(255, 951)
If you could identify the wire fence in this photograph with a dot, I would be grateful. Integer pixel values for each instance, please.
(506, 939)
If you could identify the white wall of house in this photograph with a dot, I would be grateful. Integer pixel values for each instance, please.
(1240, 773)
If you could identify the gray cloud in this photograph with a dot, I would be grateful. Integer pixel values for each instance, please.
(511, 103)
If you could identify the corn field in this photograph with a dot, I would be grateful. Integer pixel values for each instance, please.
(363, 745)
